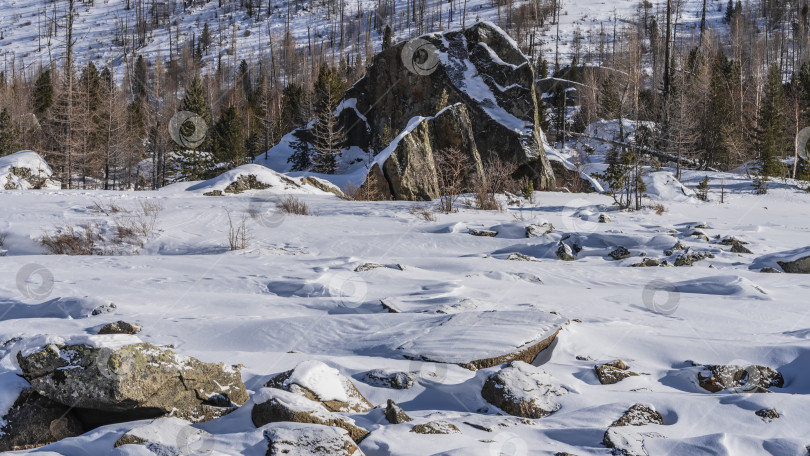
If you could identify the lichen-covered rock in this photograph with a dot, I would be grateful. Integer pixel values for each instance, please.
(244, 183)
(750, 379)
(318, 382)
(688, 258)
(519, 257)
(139, 378)
(564, 252)
(521, 389)
(613, 372)
(639, 415)
(619, 253)
(678, 246)
(484, 233)
(436, 427)
(767, 270)
(120, 327)
(34, 421)
(274, 405)
(767, 415)
(394, 414)
(301, 439)
(648, 263)
(389, 378)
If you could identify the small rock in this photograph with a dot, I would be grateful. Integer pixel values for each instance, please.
(436, 427)
(389, 378)
(102, 309)
(536, 230)
(750, 379)
(485, 233)
(639, 415)
(613, 372)
(767, 414)
(770, 271)
(245, 182)
(678, 246)
(702, 226)
(520, 257)
(620, 253)
(564, 253)
(667, 263)
(213, 193)
(700, 235)
(394, 414)
(368, 267)
(165, 436)
(730, 240)
(737, 247)
(627, 441)
(648, 263)
(603, 218)
(688, 258)
(120, 327)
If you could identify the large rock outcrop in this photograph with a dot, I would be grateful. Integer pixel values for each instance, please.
(482, 69)
(137, 381)
(34, 421)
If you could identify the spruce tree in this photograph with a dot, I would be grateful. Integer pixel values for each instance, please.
(194, 164)
(43, 92)
(771, 141)
(8, 133)
(227, 138)
(329, 134)
(300, 159)
(387, 37)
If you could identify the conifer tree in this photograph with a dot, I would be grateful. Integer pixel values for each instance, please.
(301, 160)
(43, 92)
(770, 135)
(227, 138)
(8, 133)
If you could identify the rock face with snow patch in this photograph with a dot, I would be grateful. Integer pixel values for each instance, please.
(298, 439)
(25, 170)
(274, 406)
(481, 68)
(798, 266)
(168, 436)
(318, 382)
(132, 382)
(521, 389)
(623, 439)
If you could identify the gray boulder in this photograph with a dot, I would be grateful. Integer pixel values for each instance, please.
(394, 414)
(523, 390)
(750, 379)
(308, 439)
(613, 372)
(331, 379)
(389, 378)
(436, 427)
(132, 382)
(624, 439)
(799, 266)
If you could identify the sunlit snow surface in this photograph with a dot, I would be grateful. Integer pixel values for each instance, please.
(293, 295)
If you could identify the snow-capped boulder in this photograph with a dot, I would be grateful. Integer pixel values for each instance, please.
(318, 382)
(481, 68)
(34, 421)
(272, 405)
(624, 438)
(521, 389)
(301, 439)
(565, 253)
(138, 380)
(257, 177)
(168, 436)
(25, 170)
(120, 327)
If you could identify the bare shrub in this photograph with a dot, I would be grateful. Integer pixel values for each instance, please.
(369, 191)
(106, 208)
(69, 241)
(423, 212)
(237, 234)
(452, 166)
(658, 208)
(293, 205)
(139, 225)
(497, 179)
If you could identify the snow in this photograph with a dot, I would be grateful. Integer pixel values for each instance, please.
(279, 184)
(326, 382)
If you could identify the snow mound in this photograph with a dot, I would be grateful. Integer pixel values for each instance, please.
(663, 185)
(273, 181)
(167, 436)
(303, 439)
(326, 382)
(26, 170)
(722, 286)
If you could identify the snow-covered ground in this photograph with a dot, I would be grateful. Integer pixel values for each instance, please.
(295, 295)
